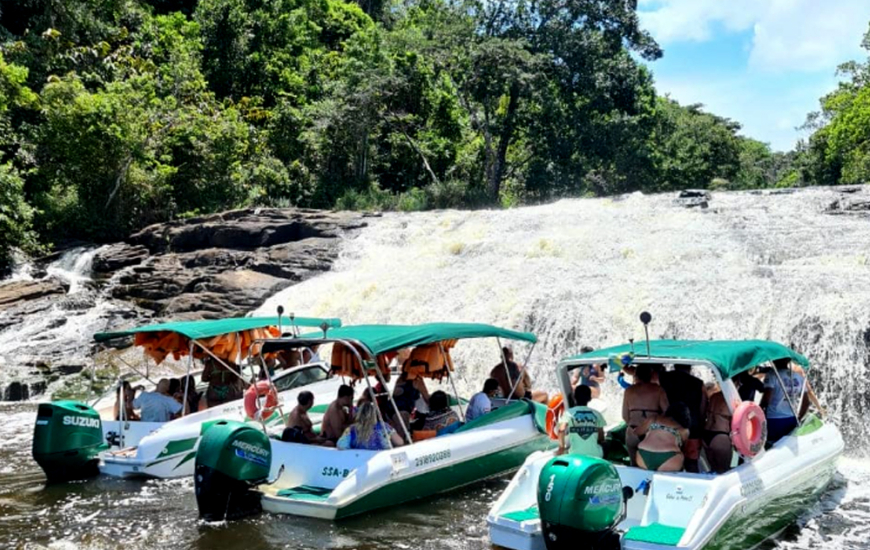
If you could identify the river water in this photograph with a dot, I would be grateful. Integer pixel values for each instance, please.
(576, 272)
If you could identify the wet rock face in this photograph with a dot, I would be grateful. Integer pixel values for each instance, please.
(224, 264)
(14, 292)
(213, 266)
(694, 198)
(849, 206)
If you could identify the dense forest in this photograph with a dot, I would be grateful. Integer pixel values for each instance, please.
(115, 114)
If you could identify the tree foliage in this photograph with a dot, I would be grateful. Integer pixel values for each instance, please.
(839, 150)
(119, 113)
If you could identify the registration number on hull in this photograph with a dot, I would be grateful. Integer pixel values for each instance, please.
(431, 458)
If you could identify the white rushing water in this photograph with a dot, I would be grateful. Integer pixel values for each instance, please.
(60, 334)
(578, 272)
(74, 267)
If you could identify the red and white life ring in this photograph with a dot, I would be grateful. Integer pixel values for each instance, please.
(555, 408)
(748, 429)
(252, 401)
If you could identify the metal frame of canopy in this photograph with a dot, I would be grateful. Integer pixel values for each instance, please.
(354, 344)
(195, 342)
(726, 385)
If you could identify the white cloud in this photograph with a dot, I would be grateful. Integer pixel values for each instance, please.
(768, 116)
(676, 20)
(787, 34)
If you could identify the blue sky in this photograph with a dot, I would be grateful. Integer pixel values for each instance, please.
(763, 63)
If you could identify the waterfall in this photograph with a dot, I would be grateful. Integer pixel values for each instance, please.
(74, 267)
(55, 336)
(578, 272)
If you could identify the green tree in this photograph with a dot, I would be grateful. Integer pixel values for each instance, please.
(274, 48)
(694, 147)
(839, 150)
(15, 214)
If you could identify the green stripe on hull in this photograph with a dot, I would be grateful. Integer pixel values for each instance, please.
(750, 525)
(447, 478)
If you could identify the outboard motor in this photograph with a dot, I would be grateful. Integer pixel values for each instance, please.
(580, 501)
(232, 459)
(67, 440)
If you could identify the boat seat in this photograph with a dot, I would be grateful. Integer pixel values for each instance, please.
(519, 516)
(305, 492)
(656, 533)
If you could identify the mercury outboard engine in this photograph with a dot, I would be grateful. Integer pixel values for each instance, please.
(67, 440)
(233, 458)
(581, 501)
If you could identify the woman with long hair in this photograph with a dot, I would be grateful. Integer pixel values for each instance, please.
(369, 433)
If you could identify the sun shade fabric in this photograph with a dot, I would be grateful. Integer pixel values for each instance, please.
(382, 338)
(209, 328)
(231, 340)
(730, 357)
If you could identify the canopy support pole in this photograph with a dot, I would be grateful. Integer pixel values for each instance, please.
(452, 382)
(785, 393)
(269, 378)
(380, 377)
(504, 365)
(134, 369)
(522, 370)
(122, 413)
(184, 408)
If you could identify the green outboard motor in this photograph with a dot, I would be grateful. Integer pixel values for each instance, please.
(67, 440)
(232, 459)
(580, 500)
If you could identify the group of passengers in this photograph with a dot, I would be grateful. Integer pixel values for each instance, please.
(671, 415)
(378, 422)
(173, 397)
(167, 401)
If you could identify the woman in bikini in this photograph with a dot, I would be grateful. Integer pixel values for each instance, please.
(642, 402)
(717, 434)
(661, 448)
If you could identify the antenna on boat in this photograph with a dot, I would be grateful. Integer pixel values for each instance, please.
(280, 314)
(324, 326)
(293, 324)
(645, 318)
(631, 341)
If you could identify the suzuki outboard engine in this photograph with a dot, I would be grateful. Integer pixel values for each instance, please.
(67, 440)
(232, 459)
(580, 501)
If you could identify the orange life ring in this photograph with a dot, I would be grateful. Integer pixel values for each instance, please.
(748, 429)
(555, 408)
(252, 401)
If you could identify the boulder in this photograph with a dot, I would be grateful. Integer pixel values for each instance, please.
(225, 264)
(14, 292)
(117, 256)
(849, 206)
(247, 229)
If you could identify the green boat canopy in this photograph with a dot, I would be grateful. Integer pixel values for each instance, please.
(730, 357)
(381, 338)
(198, 330)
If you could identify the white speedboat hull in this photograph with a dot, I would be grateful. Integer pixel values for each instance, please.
(737, 509)
(168, 450)
(330, 484)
